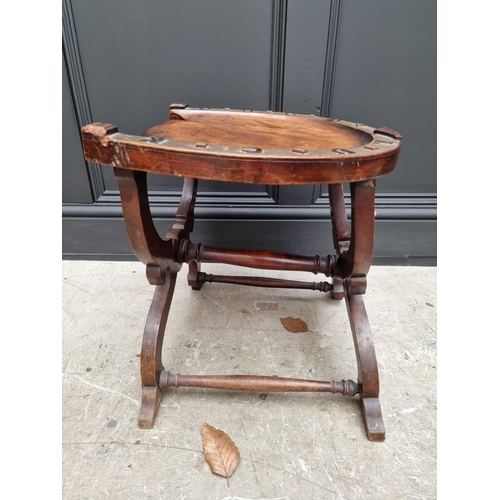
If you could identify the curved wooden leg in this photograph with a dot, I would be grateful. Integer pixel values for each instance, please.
(184, 224)
(340, 226)
(367, 366)
(152, 343)
(340, 231)
(354, 247)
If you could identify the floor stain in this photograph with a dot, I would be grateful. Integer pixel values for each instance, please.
(266, 306)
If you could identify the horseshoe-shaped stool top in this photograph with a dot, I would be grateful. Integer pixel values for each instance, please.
(250, 147)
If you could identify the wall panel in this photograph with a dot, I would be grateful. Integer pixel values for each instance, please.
(372, 62)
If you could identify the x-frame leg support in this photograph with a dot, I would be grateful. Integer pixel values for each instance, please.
(162, 266)
(354, 247)
(164, 258)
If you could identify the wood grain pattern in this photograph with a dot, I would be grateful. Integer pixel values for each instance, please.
(321, 286)
(355, 262)
(258, 383)
(231, 145)
(259, 259)
(259, 130)
(148, 246)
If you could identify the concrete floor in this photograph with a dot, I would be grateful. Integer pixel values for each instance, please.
(293, 446)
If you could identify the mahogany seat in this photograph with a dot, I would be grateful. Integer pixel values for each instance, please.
(232, 145)
(259, 148)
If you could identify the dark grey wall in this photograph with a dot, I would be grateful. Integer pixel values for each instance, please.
(387, 76)
(374, 61)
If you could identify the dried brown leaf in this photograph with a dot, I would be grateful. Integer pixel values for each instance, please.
(219, 451)
(295, 325)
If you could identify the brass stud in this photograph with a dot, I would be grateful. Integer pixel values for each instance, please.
(342, 151)
(372, 147)
(152, 140)
(300, 151)
(251, 150)
(201, 144)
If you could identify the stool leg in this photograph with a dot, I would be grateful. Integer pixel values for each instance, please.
(162, 265)
(354, 248)
(367, 367)
(185, 218)
(340, 232)
(152, 343)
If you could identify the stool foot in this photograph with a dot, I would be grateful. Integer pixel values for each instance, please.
(194, 269)
(372, 415)
(151, 397)
(338, 289)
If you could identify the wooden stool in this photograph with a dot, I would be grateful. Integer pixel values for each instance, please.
(259, 148)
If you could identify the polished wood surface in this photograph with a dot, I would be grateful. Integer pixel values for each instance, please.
(267, 131)
(258, 383)
(255, 147)
(322, 286)
(249, 147)
(258, 259)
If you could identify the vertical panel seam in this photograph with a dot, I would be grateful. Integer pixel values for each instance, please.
(278, 43)
(277, 80)
(330, 62)
(78, 89)
(331, 57)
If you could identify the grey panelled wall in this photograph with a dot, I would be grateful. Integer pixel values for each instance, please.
(388, 75)
(75, 180)
(371, 61)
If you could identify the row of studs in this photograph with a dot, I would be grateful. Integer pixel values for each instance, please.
(371, 146)
(203, 145)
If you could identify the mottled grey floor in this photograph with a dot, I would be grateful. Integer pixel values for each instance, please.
(293, 446)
